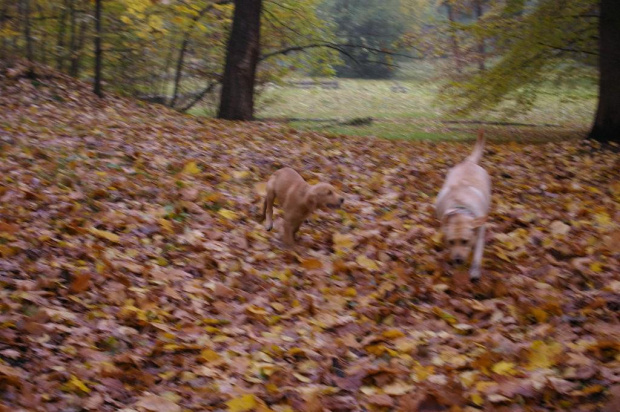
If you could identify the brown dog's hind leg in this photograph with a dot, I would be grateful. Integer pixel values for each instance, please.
(288, 234)
(268, 206)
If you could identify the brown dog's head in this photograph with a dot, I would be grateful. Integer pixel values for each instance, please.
(324, 194)
(459, 231)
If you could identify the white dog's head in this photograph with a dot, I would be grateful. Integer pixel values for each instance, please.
(459, 233)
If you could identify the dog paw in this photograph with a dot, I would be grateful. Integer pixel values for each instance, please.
(269, 227)
(474, 273)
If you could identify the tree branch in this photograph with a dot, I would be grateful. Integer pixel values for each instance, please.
(335, 46)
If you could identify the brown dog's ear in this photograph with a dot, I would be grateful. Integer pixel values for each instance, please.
(479, 221)
(312, 199)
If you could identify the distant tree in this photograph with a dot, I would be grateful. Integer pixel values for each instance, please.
(606, 126)
(368, 27)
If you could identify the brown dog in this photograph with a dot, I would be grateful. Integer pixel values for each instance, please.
(297, 199)
(462, 206)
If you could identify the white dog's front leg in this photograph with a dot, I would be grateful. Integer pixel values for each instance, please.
(474, 271)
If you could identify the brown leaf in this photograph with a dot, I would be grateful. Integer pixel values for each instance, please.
(80, 283)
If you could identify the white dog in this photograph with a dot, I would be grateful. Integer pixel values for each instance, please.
(462, 206)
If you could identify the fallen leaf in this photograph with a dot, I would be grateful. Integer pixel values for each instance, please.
(242, 403)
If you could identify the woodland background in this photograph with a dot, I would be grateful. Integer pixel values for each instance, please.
(487, 59)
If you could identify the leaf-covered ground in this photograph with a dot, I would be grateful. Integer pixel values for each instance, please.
(133, 273)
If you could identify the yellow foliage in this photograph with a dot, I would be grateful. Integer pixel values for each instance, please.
(543, 355)
(242, 403)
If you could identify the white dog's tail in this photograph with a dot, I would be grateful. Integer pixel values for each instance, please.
(476, 155)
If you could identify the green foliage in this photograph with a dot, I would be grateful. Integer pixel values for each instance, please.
(548, 41)
(375, 25)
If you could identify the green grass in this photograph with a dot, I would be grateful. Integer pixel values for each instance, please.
(559, 113)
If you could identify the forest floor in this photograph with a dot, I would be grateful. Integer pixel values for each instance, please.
(133, 272)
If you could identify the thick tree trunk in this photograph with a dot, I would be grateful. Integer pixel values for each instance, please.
(98, 51)
(606, 126)
(237, 99)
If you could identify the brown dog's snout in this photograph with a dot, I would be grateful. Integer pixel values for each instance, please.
(458, 260)
(341, 200)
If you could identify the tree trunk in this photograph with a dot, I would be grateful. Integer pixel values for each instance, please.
(25, 11)
(179, 70)
(60, 42)
(72, 33)
(98, 52)
(606, 126)
(76, 57)
(454, 40)
(237, 99)
(481, 58)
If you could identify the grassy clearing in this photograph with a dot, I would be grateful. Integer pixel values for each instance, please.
(415, 114)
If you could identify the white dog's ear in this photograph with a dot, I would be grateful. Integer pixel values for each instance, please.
(479, 221)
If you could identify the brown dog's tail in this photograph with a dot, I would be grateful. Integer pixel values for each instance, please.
(476, 155)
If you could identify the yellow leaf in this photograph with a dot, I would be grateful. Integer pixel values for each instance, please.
(367, 263)
(444, 315)
(477, 399)
(166, 225)
(302, 378)
(596, 267)
(243, 403)
(240, 174)
(350, 292)
(422, 372)
(311, 263)
(191, 168)
(209, 355)
(228, 214)
(504, 368)
(393, 334)
(539, 314)
(602, 219)
(78, 384)
(112, 237)
(256, 310)
(542, 355)
(342, 241)
(397, 388)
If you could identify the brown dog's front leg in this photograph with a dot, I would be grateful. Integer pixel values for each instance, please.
(474, 271)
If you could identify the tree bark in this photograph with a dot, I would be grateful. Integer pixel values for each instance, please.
(606, 126)
(237, 98)
(76, 57)
(98, 51)
(25, 11)
(60, 43)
